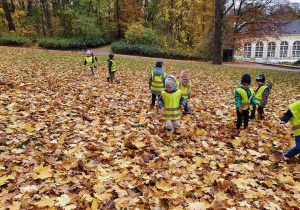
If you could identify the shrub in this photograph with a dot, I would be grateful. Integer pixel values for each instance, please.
(11, 39)
(297, 63)
(138, 34)
(154, 51)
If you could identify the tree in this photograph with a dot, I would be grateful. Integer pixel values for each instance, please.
(218, 32)
(11, 26)
(48, 16)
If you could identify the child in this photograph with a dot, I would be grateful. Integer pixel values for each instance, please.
(170, 102)
(293, 114)
(244, 97)
(184, 85)
(89, 62)
(156, 81)
(95, 58)
(111, 67)
(262, 95)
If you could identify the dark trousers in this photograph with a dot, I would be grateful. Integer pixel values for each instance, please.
(240, 116)
(153, 99)
(296, 150)
(260, 111)
(111, 76)
(186, 108)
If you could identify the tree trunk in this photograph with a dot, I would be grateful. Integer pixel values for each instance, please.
(118, 18)
(218, 33)
(42, 20)
(48, 16)
(12, 6)
(11, 25)
(37, 21)
(29, 5)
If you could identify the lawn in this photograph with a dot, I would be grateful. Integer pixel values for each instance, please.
(69, 141)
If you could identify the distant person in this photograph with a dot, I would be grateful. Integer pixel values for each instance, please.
(80, 47)
(111, 67)
(89, 62)
(156, 81)
(95, 59)
(171, 102)
(74, 47)
(293, 115)
(262, 94)
(244, 97)
(84, 46)
(184, 85)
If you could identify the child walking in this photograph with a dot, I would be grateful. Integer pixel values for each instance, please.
(184, 85)
(244, 97)
(111, 67)
(262, 94)
(95, 59)
(156, 81)
(293, 115)
(89, 62)
(171, 102)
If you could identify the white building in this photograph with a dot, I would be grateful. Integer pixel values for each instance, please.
(283, 47)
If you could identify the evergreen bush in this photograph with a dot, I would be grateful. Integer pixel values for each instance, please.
(11, 39)
(297, 63)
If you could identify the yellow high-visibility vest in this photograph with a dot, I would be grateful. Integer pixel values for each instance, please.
(89, 61)
(113, 66)
(185, 91)
(295, 120)
(259, 94)
(245, 100)
(171, 105)
(157, 83)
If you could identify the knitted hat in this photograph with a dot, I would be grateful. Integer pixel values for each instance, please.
(88, 52)
(246, 79)
(185, 73)
(92, 53)
(261, 78)
(159, 63)
(170, 81)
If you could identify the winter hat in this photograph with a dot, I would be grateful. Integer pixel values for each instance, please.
(111, 55)
(92, 53)
(261, 78)
(159, 63)
(88, 52)
(170, 81)
(246, 79)
(185, 73)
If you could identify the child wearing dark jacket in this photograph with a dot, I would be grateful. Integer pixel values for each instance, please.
(244, 98)
(171, 103)
(262, 94)
(111, 67)
(156, 81)
(293, 115)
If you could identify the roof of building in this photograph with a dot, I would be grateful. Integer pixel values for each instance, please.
(290, 27)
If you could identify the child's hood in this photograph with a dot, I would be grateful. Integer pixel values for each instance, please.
(270, 85)
(158, 71)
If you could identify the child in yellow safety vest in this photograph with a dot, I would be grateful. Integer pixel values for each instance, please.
(171, 103)
(293, 115)
(111, 67)
(89, 62)
(262, 95)
(95, 59)
(184, 85)
(156, 81)
(244, 98)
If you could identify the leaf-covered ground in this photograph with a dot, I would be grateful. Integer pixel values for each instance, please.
(69, 141)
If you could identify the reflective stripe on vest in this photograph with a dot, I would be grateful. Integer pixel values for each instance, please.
(185, 91)
(245, 100)
(171, 105)
(89, 62)
(295, 120)
(113, 66)
(259, 94)
(157, 83)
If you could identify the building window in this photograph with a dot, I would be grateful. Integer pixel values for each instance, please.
(259, 49)
(247, 50)
(283, 49)
(296, 49)
(271, 50)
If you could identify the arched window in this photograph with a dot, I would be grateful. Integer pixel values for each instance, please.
(247, 50)
(259, 49)
(271, 49)
(284, 46)
(296, 49)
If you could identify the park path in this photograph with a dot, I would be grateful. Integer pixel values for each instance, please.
(107, 49)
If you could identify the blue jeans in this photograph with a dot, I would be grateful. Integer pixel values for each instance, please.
(90, 69)
(186, 108)
(296, 150)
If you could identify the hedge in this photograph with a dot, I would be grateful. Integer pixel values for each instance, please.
(11, 39)
(297, 63)
(154, 51)
(66, 43)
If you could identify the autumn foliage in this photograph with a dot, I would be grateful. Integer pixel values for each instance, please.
(69, 141)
